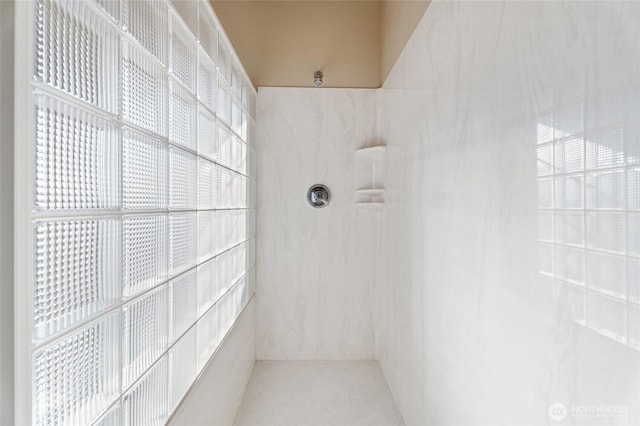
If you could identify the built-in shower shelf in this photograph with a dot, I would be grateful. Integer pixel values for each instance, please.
(372, 150)
(371, 192)
(371, 176)
(371, 206)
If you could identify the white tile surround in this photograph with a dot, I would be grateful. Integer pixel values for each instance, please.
(484, 302)
(315, 264)
(317, 393)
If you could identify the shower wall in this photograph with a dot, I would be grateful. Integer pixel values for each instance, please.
(508, 274)
(314, 265)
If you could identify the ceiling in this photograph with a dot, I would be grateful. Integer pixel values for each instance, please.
(354, 43)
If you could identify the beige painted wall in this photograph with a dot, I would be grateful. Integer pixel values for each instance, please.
(399, 20)
(355, 43)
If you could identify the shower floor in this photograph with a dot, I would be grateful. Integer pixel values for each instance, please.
(317, 393)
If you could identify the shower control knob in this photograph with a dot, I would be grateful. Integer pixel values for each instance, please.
(318, 196)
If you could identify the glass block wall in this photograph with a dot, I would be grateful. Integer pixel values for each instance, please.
(588, 182)
(143, 213)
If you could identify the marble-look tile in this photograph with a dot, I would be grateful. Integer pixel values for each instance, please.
(318, 393)
(487, 304)
(314, 266)
(214, 398)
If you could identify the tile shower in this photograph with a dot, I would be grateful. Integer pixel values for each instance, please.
(498, 282)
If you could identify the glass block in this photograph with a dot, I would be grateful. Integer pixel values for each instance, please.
(253, 220)
(205, 184)
(205, 236)
(144, 88)
(252, 193)
(225, 319)
(76, 378)
(633, 188)
(146, 21)
(182, 116)
(607, 274)
(183, 302)
(243, 126)
(76, 271)
(251, 132)
(236, 78)
(145, 252)
(243, 293)
(634, 326)
(208, 338)
(239, 191)
(207, 133)
(182, 242)
(570, 227)
(606, 231)
(606, 149)
(188, 11)
(544, 129)
(243, 225)
(182, 179)
(223, 147)
(570, 264)
(246, 91)
(76, 51)
(252, 253)
(605, 190)
(239, 156)
(632, 143)
(252, 281)
(223, 188)
(182, 52)
(207, 80)
(633, 280)
(231, 266)
(223, 231)
(144, 334)
(236, 116)
(113, 417)
(545, 193)
(251, 162)
(183, 361)
(112, 7)
(569, 156)
(633, 234)
(146, 403)
(545, 225)
(242, 191)
(569, 192)
(144, 172)
(607, 316)
(76, 158)
(208, 27)
(207, 286)
(251, 107)
(225, 58)
(569, 121)
(224, 102)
